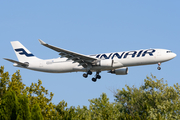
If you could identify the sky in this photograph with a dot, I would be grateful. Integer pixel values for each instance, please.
(90, 27)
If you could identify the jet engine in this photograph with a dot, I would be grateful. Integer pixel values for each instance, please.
(120, 71)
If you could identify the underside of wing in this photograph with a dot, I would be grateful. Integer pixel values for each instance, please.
(76, 57)
(18, 63)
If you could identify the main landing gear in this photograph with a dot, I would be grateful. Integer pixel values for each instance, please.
(94, 79)
(85, 75)
(159, 64)
(97, 76)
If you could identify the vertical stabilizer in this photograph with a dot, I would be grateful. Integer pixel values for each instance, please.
(23, 54)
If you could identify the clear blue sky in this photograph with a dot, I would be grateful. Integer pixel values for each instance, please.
(90, 27)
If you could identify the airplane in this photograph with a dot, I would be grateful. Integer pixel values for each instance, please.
(114, 62)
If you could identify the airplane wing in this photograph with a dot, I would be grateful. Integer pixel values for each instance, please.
(18, 63)
(76, 57)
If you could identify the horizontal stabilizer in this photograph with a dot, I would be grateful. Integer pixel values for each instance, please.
(18, 63)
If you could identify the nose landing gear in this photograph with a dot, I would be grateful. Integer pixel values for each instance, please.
(159, 64)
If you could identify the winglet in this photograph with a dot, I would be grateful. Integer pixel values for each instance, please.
(42, 42)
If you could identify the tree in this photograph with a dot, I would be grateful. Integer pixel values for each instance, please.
(13, 107)
(36, 112)
(101, 108)
(23, 109)
(9, 106)
(153, 100)
(27, 97)
(37, 93)
(4, 80)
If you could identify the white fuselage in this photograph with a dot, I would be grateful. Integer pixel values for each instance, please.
(120, 59)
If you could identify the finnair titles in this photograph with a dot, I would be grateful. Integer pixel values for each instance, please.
(115, 63)
(133, 54)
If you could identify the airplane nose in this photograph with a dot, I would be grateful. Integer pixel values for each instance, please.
(171, 56)
(174, 55)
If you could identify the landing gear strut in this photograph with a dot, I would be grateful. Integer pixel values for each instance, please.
(97, 76)
(159, 64)
(85, 75)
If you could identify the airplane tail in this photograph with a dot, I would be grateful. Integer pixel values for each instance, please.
(23, 54)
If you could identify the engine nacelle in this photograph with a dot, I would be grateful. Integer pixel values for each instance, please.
(120, 71)
(105, 63)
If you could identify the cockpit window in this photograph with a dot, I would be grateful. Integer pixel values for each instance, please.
(168, 51)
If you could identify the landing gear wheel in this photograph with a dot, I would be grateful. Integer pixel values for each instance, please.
(85, 75)
(98, 77)
(159, 68)
(94, 79)
(159, 64)
(89, 72)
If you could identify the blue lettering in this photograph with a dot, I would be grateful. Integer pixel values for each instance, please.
(117, 55)
(139, 53)
(98, 55)
(150, 52)
(105, 56)
(133, 53)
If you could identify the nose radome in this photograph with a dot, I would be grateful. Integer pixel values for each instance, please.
(174, 55)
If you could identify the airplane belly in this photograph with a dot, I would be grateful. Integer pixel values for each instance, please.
(139, 61)
(60, 67)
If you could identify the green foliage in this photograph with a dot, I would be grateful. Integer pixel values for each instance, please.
(155, 99)
(101, 108)
(23, 98)
(37, 93)
(152, 100)
(24, 110)
(4, 80)
(36, 112)
(9, 106)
